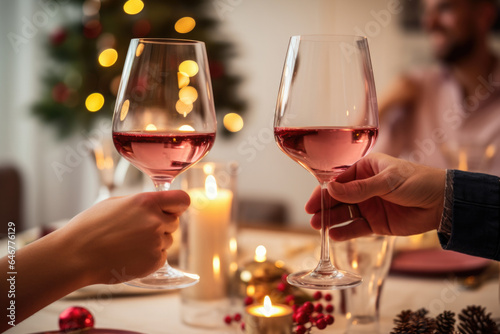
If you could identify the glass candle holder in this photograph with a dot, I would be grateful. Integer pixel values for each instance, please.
(371, 258)
(208, 243)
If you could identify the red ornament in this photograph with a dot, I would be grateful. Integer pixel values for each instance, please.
(58, 36)
(60, 93)
(92, 29)
(75, 318)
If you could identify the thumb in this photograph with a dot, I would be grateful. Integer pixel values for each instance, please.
(358, 190)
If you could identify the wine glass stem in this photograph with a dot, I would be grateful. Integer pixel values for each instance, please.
(162, 186)
(325, 265)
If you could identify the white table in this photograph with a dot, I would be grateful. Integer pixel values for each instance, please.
(160, 312)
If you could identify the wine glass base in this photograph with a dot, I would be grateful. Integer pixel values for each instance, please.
(337, 280)
(166, 279)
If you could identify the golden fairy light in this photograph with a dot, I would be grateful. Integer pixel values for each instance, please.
(124, 110)
(108, 57)
(260, 254)
(133, 7)
(151, 127)
(233, 122)
(183, 79)
(183, 108)
(94, 102)
(190, 67)
(188, 95)
(185, 25)
(139, 49)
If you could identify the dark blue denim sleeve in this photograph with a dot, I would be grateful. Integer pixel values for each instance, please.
(475, 215)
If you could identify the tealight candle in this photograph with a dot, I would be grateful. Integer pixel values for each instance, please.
(268, 318)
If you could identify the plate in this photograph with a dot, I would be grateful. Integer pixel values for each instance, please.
(91, 331)
(436, 262)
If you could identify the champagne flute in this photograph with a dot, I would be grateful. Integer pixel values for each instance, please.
(164, 121)
(326, 119)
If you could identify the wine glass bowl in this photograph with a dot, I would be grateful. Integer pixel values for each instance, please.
(164, 121)
(326, 119)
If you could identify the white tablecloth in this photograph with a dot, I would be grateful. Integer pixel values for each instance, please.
(159, 312)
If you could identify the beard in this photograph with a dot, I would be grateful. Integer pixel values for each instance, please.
(456, 51)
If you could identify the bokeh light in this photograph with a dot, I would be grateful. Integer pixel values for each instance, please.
(183, 79)
(151, 127)
(183, 108)
(124, 110)
(190, 67)
(139, 49)
(233, 122)
(133, 7)
(108, 57)
(94, 102)
(188, 95)
(185, 25)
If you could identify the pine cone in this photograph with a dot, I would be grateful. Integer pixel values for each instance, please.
(403, 317)
(474, 320)
(445, 323)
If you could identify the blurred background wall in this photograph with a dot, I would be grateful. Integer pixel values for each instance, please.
(260, 29)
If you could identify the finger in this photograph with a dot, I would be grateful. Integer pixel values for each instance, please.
(340, 214)
(173, 201)
(360, 190)
(357, 228)
(171, 224)
(313, 205)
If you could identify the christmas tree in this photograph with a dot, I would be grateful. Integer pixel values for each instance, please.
(87, 53)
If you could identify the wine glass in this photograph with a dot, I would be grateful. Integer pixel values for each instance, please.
(164, 121)
(326, 119)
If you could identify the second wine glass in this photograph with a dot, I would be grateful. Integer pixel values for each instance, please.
(164, 121)
(326, 119)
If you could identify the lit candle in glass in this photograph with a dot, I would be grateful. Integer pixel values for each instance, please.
(268, 318)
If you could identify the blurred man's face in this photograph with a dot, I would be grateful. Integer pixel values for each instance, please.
(451, 26)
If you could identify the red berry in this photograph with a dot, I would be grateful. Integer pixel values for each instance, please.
(228, 319)
(290, 299)
(328, 297)
(321, 323)
(242, 326)
(318, 308)
(329, 319)
(301, 318)
(295, 307)
(317, 295)
(329, 308)
(248, 301)
(300, 329)
(308, 307)
(281, 286)
(237, 317)
(283, 277)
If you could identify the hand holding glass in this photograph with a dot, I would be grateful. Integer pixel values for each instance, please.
(164, 121)
(326, 119)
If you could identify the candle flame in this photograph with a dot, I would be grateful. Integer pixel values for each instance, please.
(216, 265)
(354, 264)
(211, 187)
(260, 254)
(268, 306)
